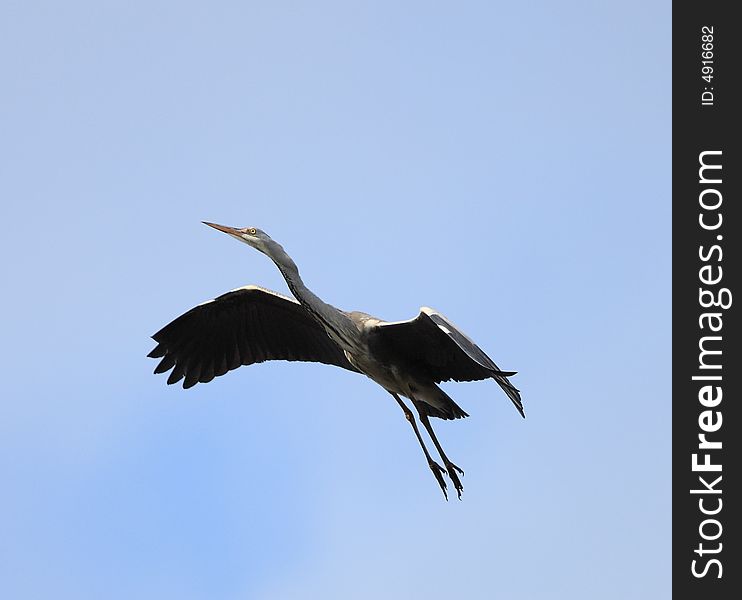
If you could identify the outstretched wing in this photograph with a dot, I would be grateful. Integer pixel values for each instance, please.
(245, 326)
(435, 346)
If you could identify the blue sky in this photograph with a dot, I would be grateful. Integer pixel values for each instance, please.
(505, 163)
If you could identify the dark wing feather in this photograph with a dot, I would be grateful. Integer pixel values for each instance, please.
(242, 327)
(435, 346)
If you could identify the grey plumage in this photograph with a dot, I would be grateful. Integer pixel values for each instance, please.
(251, 325)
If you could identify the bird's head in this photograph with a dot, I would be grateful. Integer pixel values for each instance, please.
(257, 238)
(261, 241)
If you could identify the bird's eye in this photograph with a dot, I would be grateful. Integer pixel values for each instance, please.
(252, 231)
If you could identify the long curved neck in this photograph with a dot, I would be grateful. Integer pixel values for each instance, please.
(336, 323)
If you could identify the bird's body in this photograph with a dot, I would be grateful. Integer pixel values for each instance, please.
(252, 324)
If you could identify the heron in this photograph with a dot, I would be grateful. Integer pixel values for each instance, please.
(252, 324)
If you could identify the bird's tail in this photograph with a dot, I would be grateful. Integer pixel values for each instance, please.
(434, 402)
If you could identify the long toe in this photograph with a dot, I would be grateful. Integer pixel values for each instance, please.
(453, 475)
(439, 471)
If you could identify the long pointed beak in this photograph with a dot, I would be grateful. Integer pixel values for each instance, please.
(223, 228)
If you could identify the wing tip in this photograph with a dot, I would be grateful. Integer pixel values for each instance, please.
(503, 373)
(158, 351)
(512, 392)
(515, 399)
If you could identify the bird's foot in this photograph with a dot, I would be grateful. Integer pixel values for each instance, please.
(439, 471)
(453, 474)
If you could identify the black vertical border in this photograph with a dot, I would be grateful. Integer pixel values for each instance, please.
(697, 128)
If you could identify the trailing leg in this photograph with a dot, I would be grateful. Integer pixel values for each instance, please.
(438, 471)
(451, 468)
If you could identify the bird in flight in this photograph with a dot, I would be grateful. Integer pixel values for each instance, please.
(406, 358)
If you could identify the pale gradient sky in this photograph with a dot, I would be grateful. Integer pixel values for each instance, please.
(505, 163)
